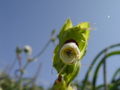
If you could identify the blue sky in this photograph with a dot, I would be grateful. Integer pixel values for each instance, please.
(30, 22)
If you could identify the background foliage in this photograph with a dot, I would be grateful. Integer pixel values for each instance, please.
(19, 82)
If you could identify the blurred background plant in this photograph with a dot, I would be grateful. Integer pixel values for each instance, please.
(29, 22)
(20, 82)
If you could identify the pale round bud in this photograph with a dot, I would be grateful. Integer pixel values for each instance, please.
(69, 53)
(27, 49)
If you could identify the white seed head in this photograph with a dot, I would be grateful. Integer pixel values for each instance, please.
(27, 49)
(70, 53)
(108, 17)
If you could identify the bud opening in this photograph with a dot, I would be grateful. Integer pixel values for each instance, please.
(69, 53)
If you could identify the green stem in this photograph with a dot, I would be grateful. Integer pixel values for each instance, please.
(99, 65)
(105, 73)
(94, 61)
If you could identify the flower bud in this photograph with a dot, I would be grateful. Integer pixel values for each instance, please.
(18, 50)
(27, 49)
(70, 53)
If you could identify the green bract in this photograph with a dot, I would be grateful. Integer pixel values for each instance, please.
(72, 45)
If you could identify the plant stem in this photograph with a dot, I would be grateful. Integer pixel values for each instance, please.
(94, 61)
(44, 48)
(105, 73)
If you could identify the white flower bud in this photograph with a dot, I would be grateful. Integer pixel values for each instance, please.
(70, 53)
(27, 49)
